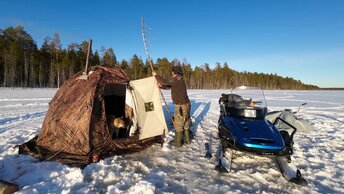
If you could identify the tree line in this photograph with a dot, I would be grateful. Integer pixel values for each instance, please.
(23, 64)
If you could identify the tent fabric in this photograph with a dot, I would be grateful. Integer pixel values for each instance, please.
(287, 115)
(149, 107)
(130, 105)
(75, 127)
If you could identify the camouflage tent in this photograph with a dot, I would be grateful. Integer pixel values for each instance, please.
(75, 128)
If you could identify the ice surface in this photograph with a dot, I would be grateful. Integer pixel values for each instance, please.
(318, 153)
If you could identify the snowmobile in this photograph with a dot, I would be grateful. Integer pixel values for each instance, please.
(242, 126)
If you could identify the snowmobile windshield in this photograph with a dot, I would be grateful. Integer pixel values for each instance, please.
(251, 97)
(244, 102)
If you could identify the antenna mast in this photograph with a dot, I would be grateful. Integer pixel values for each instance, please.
(151, 65)
(145, 43)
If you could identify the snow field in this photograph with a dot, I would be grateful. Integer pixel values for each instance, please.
(318, 153)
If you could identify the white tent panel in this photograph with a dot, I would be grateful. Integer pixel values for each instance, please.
(129, 100)
(150, 115)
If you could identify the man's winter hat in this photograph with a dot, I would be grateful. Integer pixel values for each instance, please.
(177, 69)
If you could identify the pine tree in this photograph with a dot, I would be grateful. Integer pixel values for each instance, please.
(109, 57)
(23, 64)
(95, 59)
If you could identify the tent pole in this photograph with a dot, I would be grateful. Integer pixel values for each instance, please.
(151, 66)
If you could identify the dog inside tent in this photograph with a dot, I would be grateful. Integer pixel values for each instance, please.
(103, 115)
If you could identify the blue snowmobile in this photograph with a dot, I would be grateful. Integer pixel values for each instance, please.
(242, 126)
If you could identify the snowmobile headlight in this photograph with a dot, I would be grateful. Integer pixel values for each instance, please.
(250, 113)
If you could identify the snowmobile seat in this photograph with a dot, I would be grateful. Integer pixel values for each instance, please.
(232, 100)
(236, 106)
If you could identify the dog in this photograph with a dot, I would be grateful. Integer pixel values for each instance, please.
(117, 126)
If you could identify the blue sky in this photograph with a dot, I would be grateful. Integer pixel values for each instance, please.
(303, 39)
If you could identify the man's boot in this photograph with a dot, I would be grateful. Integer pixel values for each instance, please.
(177, 142)
(186, 138)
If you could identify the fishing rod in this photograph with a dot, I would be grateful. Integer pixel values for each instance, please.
(151, 65)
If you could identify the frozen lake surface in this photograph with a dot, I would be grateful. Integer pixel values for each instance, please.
(318, 153)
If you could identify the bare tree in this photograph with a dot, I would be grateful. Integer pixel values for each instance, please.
(56, 49)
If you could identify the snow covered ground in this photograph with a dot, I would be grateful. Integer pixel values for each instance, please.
(318, 153)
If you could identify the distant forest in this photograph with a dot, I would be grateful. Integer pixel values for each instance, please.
(23, 64)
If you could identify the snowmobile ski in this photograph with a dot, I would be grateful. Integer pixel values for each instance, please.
(290, 172)
(224, 163)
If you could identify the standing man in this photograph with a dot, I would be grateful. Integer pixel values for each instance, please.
(182, 105)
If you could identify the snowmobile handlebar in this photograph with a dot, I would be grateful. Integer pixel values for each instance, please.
(303, 104)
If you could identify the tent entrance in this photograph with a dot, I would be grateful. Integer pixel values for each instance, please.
(114, 99)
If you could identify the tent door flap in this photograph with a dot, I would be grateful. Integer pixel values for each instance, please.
(150, 116)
